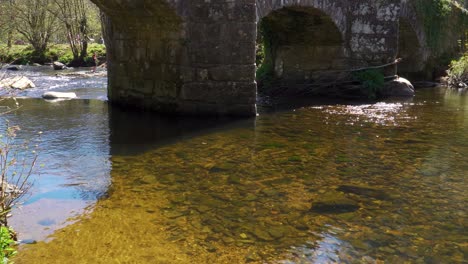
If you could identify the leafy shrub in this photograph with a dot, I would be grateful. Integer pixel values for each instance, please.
(458, 72)
(66, 58)
(6, 244)
(372, 81)
(23, 54)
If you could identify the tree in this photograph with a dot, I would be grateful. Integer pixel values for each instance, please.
(73, 15)
(7, 20)
(36, 23)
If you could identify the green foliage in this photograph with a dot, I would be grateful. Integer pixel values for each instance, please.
(440, 21)
(6, 244)
(458, 72)
(372, 82)
(459, 67)
(66, 58)
(265, 47)
(23, 54)
(99, 49)
(265, 75)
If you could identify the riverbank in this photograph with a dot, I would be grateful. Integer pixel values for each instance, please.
(24, 54)
(458, 73)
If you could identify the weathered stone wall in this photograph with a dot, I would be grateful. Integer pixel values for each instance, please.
(198, 56)
(193, 57)
(412, 44)
(368, 31)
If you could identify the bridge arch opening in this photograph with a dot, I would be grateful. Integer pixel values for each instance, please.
(298, 46)
(411, 51)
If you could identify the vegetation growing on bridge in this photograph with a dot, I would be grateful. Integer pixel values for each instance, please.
(442, 19)
(372, 81)
(265, 47)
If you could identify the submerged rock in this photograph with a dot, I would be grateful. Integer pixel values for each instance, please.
(364, 191)
(334, 203)
(19, 82)
(13, 68)
(262, 234)
(58, 95)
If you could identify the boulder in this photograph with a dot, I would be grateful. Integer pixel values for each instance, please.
(333, 203)
(398, 87)
(13, 68)
(58, 95)
(365, 191)
(58, 66)
(18, 82)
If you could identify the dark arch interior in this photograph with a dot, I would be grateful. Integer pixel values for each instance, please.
(410, 51)
(299, 46)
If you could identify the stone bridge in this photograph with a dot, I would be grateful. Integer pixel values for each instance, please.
(198, 56)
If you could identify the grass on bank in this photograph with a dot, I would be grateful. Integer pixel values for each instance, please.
(24, 54)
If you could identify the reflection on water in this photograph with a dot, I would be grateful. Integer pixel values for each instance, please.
(339, 183)
(74, 154)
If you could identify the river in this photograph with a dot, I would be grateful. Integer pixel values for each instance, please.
(323, 183)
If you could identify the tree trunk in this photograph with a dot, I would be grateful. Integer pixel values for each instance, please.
(10, 38)
(84, 50)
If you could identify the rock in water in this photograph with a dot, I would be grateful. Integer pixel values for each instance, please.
(58, 66)
(13, 68)
(334, 203)
(398, 87)
(364, 191)
(19, 82)
(58, 95)
(338, 207)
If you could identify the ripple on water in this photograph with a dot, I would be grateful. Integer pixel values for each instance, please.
(246, 193)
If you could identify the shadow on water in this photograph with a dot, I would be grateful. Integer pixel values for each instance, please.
(334, 183)
(134, 132)
(77, 142)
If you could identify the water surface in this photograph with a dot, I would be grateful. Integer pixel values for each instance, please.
(319, 184)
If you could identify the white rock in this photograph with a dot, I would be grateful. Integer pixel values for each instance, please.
(18, 82)
(58, 95)
(58, 65)
(399, 87)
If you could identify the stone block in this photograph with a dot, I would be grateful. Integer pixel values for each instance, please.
(165, 89)
(243, 73)
(219, 92)
(148, 87)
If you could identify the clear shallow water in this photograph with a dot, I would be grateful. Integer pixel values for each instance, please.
(320, 184)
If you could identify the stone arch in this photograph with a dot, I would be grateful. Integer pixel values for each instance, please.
(412, 46)
(302, 42)
(336, 10)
